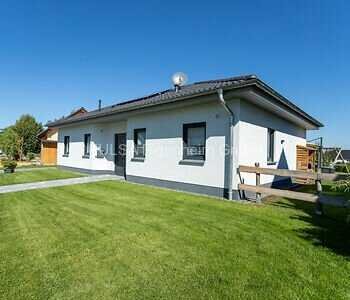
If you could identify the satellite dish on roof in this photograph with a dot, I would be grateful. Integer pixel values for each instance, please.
(179, 79)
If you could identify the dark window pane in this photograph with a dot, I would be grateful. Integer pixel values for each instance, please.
(194, 138)
(270, 145)
(140, 142)
(66, 145)
(87, 142)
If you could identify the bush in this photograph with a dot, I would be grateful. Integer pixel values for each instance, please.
(9, 164)
(30, 156)
(341, 168)
(342, 186)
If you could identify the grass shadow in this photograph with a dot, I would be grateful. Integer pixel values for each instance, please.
(330, 230)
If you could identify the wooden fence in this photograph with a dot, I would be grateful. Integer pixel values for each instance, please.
(258, 189)
(288, 173)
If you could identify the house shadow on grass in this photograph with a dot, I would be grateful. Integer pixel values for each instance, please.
(330, 230)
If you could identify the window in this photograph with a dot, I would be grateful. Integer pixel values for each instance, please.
(270, 145)
(194, 136)
(66, 145)
(87, 142)
(100, 152)
(140, 142)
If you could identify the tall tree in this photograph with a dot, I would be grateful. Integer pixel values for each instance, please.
(8, 142)
(22, 138)
(27, 129)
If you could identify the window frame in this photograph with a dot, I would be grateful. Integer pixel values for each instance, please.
(66, 144)
(87, 145)
(136, 153)
(271, 145)
(185, 128)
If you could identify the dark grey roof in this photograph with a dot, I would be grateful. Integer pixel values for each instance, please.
(190, 90)
(346, 154)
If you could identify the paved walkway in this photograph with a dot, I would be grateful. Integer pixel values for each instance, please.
(54, 183)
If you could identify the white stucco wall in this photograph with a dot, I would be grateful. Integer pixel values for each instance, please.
(253, 126)
(164, 143)
(104, 137)
(101, 134)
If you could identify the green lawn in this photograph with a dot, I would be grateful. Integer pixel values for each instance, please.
(115, 240)
(36, 175)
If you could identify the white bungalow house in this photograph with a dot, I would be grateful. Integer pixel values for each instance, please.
(190, 138)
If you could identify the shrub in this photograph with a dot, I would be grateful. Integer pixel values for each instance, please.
(30, 156)
(342, 185)
(341, 168)
(9, 165)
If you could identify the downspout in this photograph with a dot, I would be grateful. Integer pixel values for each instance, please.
(231, 120)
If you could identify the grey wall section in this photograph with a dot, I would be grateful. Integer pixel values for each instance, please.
(187, 187)
(182, 186)
(87, 171)
(283, 182)
(179, 186)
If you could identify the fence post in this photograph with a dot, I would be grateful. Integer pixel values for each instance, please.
(258, 195)
(319, 206)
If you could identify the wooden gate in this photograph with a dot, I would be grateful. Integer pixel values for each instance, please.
(49, 153)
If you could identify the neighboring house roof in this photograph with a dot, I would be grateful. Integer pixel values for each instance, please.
(44, 134)
(187, 91)
(50, 129)
(346, 154)
(77, 112)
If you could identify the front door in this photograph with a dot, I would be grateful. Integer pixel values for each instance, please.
(120, 153)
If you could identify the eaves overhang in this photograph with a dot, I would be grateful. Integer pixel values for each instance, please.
(195, 91)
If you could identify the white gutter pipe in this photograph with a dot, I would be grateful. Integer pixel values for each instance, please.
(232, 120)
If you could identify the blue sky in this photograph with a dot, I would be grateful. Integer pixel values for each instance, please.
(59, 55)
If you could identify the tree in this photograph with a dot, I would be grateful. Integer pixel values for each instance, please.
(22, 138)
(27, 129)
(8, 142)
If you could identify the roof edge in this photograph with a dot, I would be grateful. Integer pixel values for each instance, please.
(240, 82)
(283, 100)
